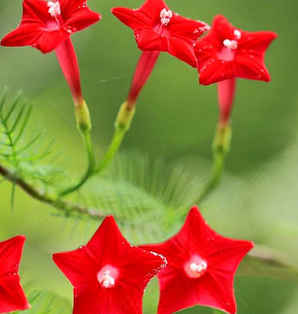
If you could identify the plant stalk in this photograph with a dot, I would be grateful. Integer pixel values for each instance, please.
(49, 199)
(221, 147)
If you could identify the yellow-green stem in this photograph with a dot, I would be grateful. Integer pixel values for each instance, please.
(221, 147)
(84, 125)
(90, 169)
(122, 125)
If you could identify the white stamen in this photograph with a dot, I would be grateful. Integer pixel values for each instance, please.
(232, 44)
(165, 16)
(54, 8)
(198, 268)
(106, 280)
(107, 276)
(237, 34)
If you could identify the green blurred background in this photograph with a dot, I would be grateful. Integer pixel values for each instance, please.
(175, 123)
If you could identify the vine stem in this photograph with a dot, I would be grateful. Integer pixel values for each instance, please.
(122, 125)
(112, 150)
(90, 169)
(34, 192)
(221, 147)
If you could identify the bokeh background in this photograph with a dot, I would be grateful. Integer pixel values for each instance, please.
(175, 123)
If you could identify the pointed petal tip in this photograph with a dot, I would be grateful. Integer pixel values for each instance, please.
(21, 238)
(109, 219)
(56, 257)
(118, 11)
(18, 240)
(195, 208)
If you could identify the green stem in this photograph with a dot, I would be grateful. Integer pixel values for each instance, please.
(122, 125)
(212, 183)
(112, 150)
(50, 199)
(221, 147)
(90, 169)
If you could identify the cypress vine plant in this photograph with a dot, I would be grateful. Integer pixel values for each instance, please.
(148, 199)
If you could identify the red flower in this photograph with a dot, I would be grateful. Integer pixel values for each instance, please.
(47, 24)
(12, 297)
(157, 28)
(227, 52)
(108, 275)
(201, 267)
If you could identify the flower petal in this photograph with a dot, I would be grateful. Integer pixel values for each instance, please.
(108, 242)
(186, 28)
(176, 287)
(48, 41)
(24, 35)
(73, 264)
(258, 41)
(228, 257)
(152, 9)
(214, 71)
(183, 50)
(81, 19)
(251, 67)
(102, 301)
(217, 292)
(35, 10)
(222, 27)
(150, 40)
(12, 296)
(10, 255)
(131, 18)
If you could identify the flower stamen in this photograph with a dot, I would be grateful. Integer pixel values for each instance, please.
(237, 34)
(107, 276)
(54, 8)
(196, 267)
(165, 16)
(232, 44)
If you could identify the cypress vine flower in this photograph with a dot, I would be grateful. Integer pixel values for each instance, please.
(227, 53)
(12, 297)
(201, 267)
(108, 275)
(159, 29)
(47, 26)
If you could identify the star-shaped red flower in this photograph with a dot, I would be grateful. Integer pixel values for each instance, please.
(12, 297)
(227, 52)
(201, 267)
(157, 28)
(46, 24)
(108, 275)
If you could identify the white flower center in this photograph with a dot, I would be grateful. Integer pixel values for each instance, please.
(107, 276)
(196, 267)
(232, 44)
(54, 8)
(165, 16)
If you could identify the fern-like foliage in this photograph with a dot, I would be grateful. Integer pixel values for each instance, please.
(23, 154)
